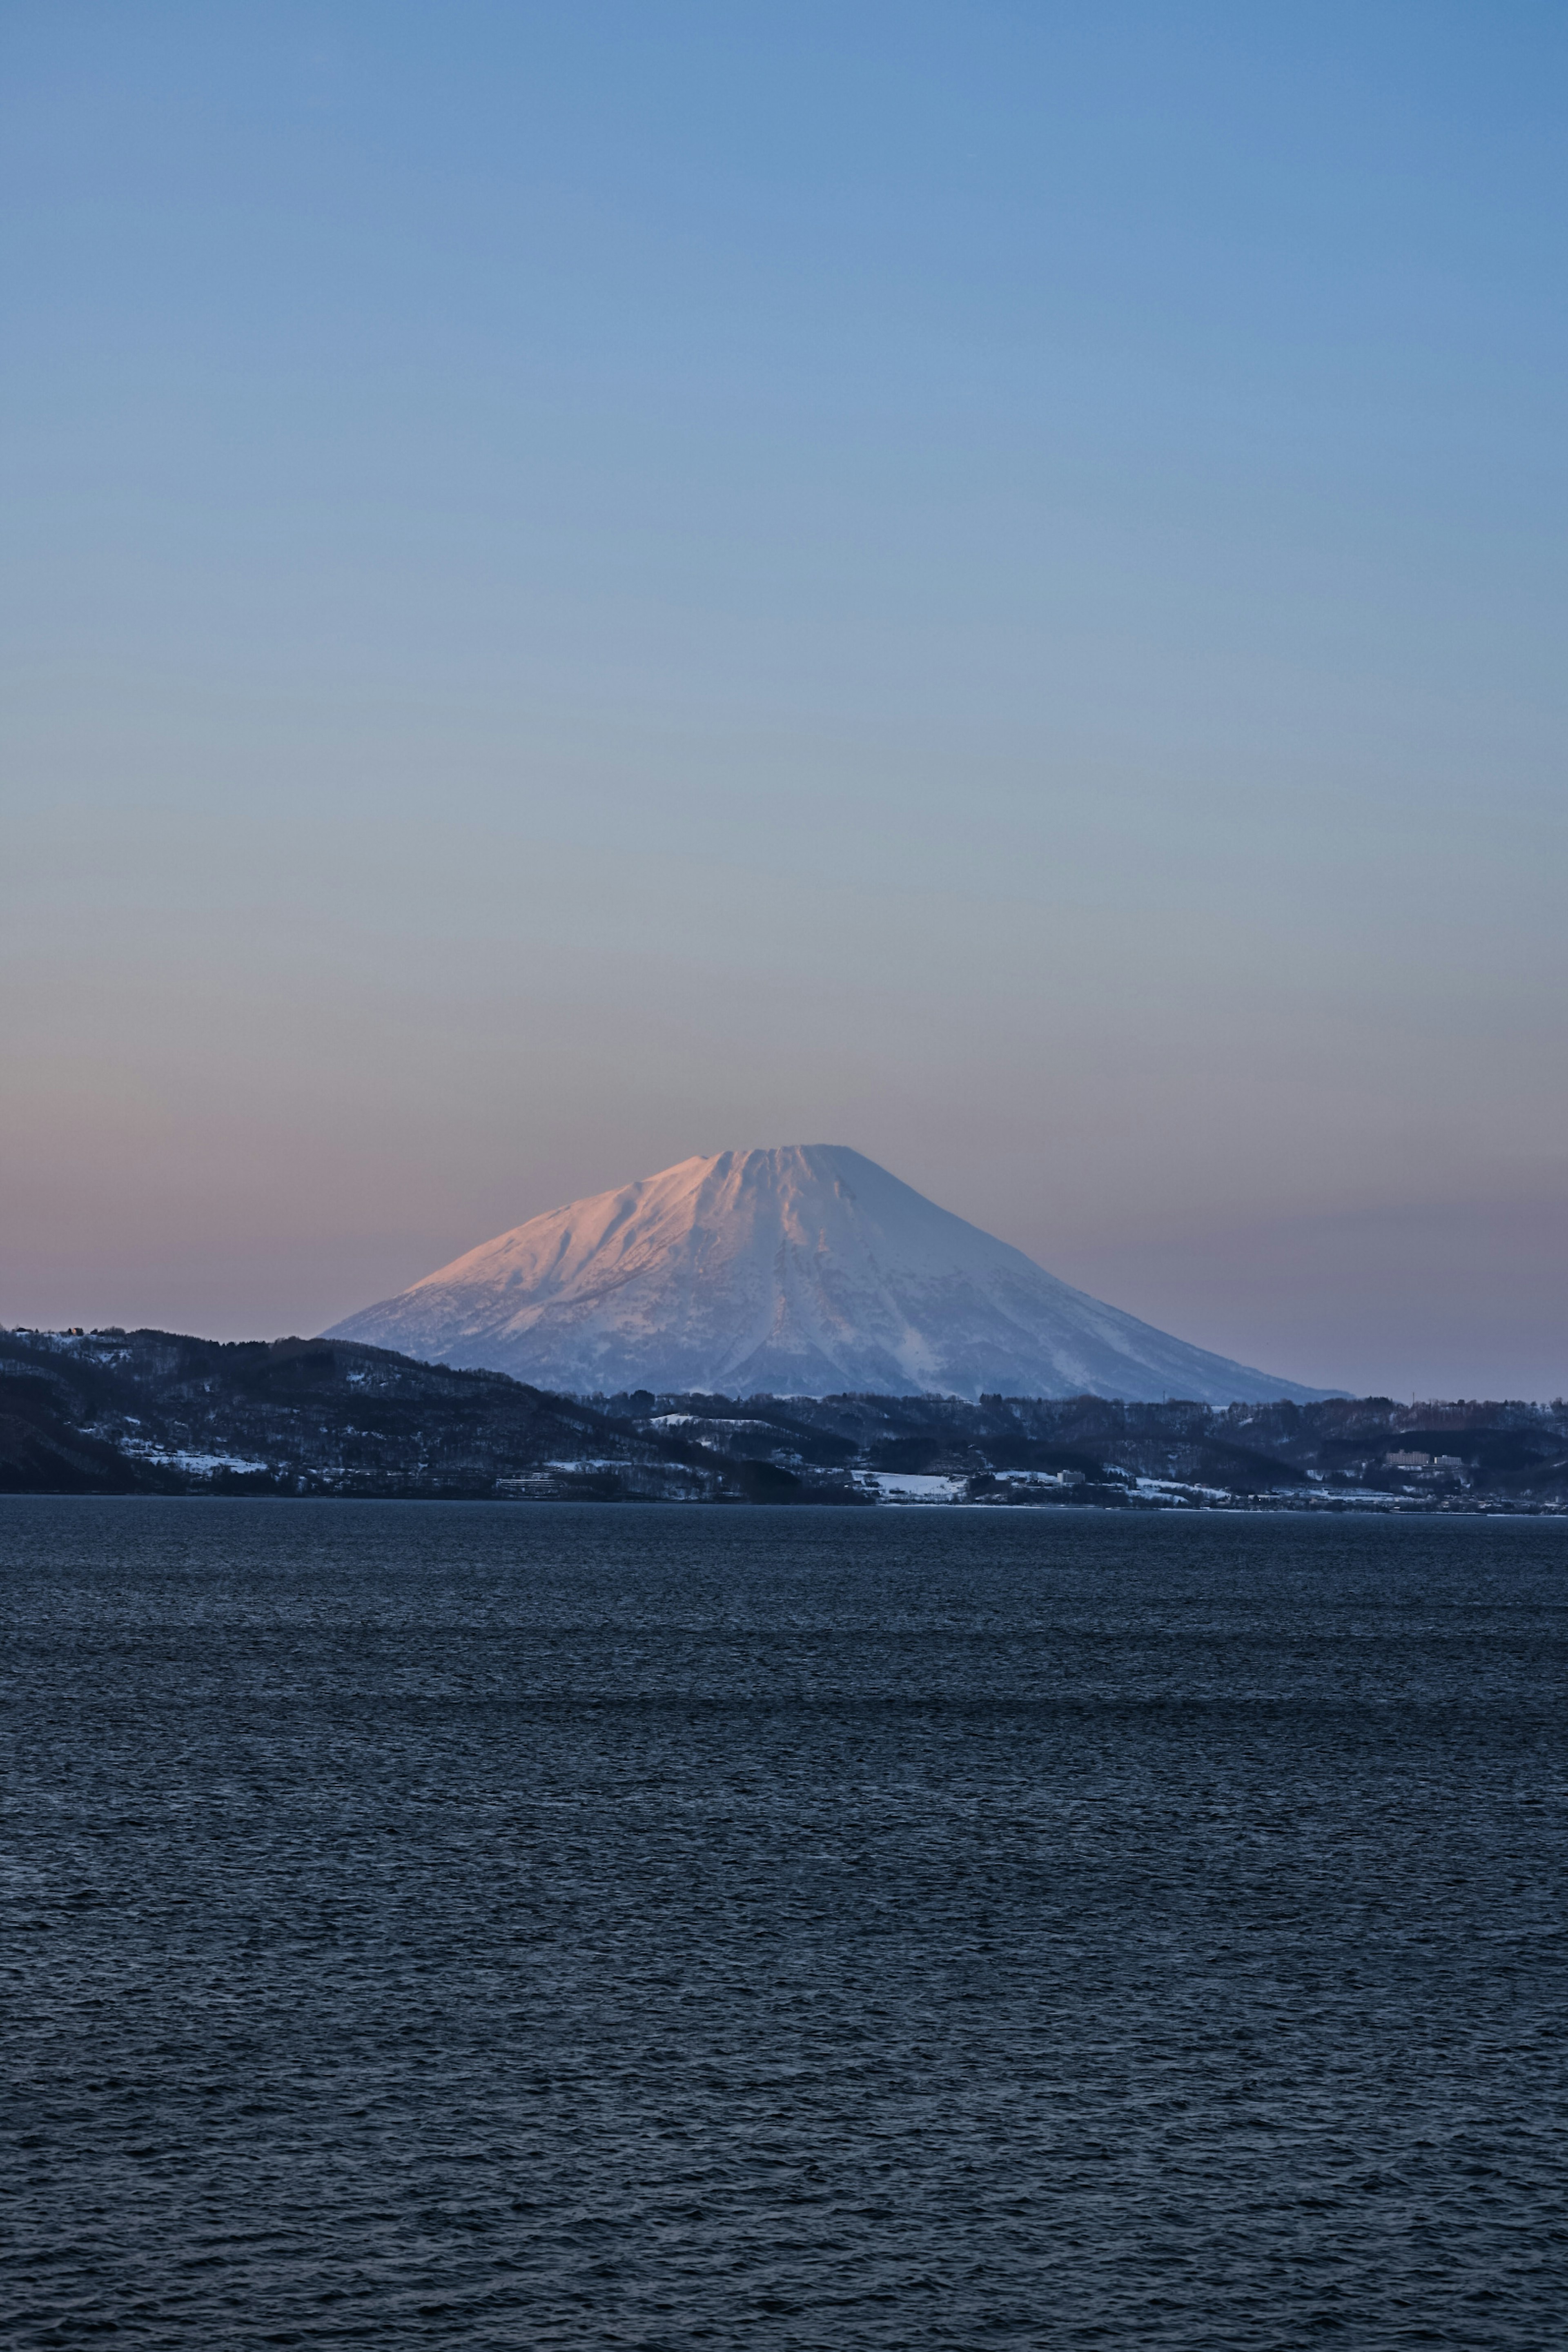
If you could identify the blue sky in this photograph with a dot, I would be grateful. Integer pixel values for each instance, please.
(985, 584)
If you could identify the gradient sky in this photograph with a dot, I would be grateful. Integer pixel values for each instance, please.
(982, 582)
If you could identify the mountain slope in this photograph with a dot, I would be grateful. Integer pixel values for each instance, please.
(802, 1271)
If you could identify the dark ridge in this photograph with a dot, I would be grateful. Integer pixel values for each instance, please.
(128, 1412)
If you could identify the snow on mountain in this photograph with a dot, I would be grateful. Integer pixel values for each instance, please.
(805, 1270)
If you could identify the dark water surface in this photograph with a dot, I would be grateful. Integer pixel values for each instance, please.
(573, 1926)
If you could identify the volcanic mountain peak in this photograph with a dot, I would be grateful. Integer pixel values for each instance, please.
(801, 1271)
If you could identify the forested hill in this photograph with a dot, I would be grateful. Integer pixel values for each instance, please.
(155, 1413)
(117, 1413)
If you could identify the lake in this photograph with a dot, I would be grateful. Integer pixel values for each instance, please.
(573, 1926)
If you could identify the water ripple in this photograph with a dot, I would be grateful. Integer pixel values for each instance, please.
(583, 1927)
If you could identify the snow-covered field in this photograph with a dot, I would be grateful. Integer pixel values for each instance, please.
(194, 1466)
(909, 1486)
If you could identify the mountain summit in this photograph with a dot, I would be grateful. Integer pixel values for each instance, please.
(805, 1271)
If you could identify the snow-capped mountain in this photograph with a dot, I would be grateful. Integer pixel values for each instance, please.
(805, 1270)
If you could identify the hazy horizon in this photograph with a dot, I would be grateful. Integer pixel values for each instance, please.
(588, 587)
(228, 1328)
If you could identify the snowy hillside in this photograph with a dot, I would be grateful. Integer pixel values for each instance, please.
(804, 1271)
